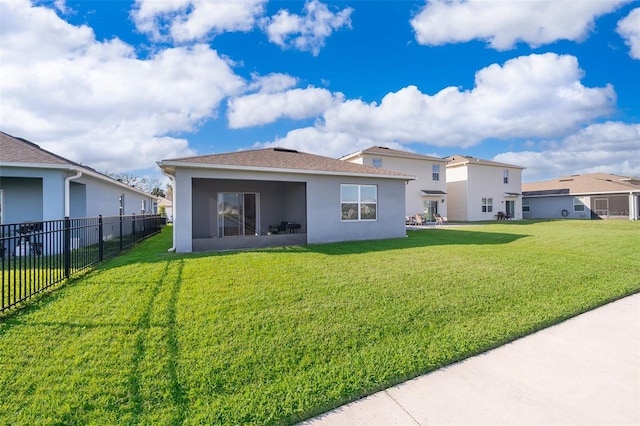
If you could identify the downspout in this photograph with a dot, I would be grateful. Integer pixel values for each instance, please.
(67, 193)
(173, 204)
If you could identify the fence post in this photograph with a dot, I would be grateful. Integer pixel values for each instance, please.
(100, 239)
(133, 227)
(67, 247)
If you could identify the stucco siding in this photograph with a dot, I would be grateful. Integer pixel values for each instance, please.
(22, 199)
(23, 202)
(422, 170)
(321, 215)
(552, 207)
(324, 215)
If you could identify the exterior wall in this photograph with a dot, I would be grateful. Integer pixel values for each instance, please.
(23, 202)
(552, 207)
(621, 206)
(482, 181)
(88, 196)
(457, 180)
(422, 170)
(22, 199)
(103, 198)
(323, 216)
(324, 221)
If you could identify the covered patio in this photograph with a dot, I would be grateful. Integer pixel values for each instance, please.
(233, 214)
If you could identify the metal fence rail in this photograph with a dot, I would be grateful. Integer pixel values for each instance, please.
(37, 255)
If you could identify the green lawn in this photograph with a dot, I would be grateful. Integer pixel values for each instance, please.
(278, 335)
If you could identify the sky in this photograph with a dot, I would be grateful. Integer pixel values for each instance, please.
(549, 85)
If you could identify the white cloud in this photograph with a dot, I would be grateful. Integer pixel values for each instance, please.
(97, 101)
(610, 147)
(272, 83)
(262, 108)
(502, 24)
(189, 20)
(306, 32)
(536, 96)
(629, 29)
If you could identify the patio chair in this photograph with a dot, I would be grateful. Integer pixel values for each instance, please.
(419, 219)
(439, 220)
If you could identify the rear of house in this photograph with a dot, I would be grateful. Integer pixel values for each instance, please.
(276, 197)
(483, 190)
(426, 194)
(583, 196)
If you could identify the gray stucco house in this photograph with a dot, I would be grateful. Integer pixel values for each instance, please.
(584, 196)
(38, 185)
(277, 196)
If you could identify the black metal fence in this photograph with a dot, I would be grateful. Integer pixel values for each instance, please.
(38, 255)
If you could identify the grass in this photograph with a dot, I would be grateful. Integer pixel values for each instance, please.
(275, 336)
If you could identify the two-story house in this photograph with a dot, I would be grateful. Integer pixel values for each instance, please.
(483, 190)
(427, 194)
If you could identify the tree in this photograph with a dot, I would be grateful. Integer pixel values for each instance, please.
(158, 192)
(148, 185)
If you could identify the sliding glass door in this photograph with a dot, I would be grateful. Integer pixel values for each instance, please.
(237, 214)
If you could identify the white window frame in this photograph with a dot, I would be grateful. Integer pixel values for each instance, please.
(578, 204)
(526, 207)
(487, 205)
(435, 171)
(377, 163)
(1, 206)
(505, 176)
(359, 203)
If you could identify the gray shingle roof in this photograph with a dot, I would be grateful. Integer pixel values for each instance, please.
(17, 150)
(455, 160)
(591, 183)
(384, 151)
(280, 158)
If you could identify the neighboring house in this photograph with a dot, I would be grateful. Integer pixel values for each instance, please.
(482, 190)
(168, 207)
(37, 185)
(426, 194)
(586, 196)
(277, 196)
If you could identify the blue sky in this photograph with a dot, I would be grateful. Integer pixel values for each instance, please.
(553, 86)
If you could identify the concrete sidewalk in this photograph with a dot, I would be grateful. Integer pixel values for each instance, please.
(584, 371)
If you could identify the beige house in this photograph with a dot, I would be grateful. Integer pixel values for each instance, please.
(585, 196)
(482, 190)
(427, 194)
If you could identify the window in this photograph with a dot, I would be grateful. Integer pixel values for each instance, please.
(358, 202)
(435, 171)
(377, 163)
(122, 204)
(525, 205)
(505, 176)
(487, 205)
(578, 204)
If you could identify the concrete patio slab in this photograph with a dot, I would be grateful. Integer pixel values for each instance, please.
(584, 371)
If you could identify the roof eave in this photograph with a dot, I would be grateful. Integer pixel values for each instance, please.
(172, 165)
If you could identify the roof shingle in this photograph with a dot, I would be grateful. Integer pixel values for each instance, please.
(280, 158)
(583, 184)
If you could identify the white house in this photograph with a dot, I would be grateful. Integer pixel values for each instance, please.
(583, 196)
(483, 190)
(427, 194)
(277, 196)
(37, 185)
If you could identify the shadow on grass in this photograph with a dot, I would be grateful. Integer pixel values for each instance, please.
(415, 239)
